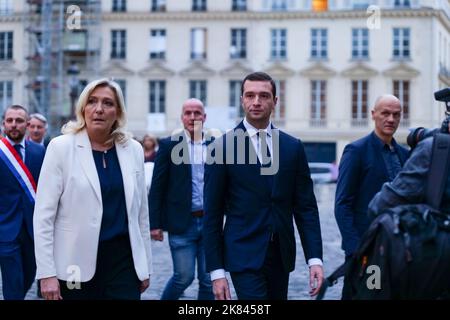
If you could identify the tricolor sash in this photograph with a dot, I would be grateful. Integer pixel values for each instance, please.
(18, 168)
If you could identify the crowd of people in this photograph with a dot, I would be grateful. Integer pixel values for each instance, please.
(79, 212)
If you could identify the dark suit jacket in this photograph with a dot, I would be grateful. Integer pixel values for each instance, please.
(362, 172)
(47, 140)
(256, 205)
(15, 207)
(170, 196)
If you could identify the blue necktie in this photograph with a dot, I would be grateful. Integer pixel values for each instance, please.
(18, 148)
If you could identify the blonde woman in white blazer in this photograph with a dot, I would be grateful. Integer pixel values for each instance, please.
(91, 223)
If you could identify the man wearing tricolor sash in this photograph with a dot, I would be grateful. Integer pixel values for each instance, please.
(20, 164)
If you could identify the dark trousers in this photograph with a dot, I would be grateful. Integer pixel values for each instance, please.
(347, 287)
(114, 278)
(18, 266)
(269, 283)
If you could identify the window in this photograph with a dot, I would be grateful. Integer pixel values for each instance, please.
(319, 5)
(37, 96)
(157, 44)
(158, 5)
(318, 103)
(359, 103)
(238, 47)
(319, 43)
(82, 83)
(198, 5)
(5, 95)
(239, 5)
(402, 4)
(360, 43)
(401, 43)
(198, 43)
(279, 5)
(157, 96)
(401, 91)
(280, 108)
(278, 44)
(37, 42)
(197, 89)
(123, 85)
(235, 99)
(119, 5)
(6, 45)
(118, 44)
(361, 4)
(6, 7)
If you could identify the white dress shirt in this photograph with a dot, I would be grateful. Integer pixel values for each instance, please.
(253, 134)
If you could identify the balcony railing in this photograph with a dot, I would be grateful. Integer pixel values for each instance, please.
(359, 122)
(405, 123)
(318, 123)
(198, 55)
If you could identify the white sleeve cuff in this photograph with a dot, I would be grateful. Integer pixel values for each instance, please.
(217, 274)
(315, 262)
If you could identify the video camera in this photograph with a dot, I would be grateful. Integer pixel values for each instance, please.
(418, 134)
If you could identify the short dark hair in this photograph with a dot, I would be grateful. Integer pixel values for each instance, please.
(15, 107)
(259, 76)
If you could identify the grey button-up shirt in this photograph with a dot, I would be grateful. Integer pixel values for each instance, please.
(197, 155)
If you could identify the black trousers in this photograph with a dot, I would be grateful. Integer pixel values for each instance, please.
(269, 283)
(115, 277)
(347, 287)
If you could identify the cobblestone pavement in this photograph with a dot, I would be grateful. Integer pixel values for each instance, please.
(299, 279)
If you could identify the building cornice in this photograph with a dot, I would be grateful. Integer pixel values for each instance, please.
(156, 69)
(359, 71)
(278, 70)
(197, 69)
(318, 71)
(444, 20)
(15, 17)
(251, 15)
(7, 69)
(116, 69)
(236, 69)
(401, 71)
(248, 15)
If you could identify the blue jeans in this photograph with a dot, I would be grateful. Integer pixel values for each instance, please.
(185, 249)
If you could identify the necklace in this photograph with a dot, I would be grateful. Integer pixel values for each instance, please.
(104, 159)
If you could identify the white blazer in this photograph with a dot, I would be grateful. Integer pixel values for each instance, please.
(68, 210)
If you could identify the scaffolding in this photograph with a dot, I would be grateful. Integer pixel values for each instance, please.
(60, 51)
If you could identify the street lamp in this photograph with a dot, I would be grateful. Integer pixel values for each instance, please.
(73, 72)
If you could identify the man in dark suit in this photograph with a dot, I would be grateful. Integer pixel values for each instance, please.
(258, 177)
(37, 129)
(176, 201)
(365, 165)
(20, 165)
(37, 132)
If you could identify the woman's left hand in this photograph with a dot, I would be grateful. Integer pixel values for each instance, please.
(144, 285)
